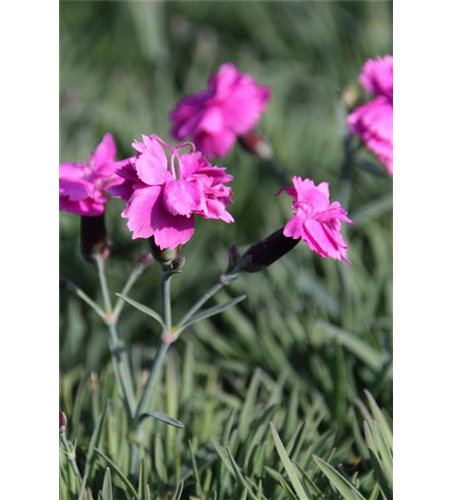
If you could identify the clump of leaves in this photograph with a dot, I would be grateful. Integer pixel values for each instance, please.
(265, 443)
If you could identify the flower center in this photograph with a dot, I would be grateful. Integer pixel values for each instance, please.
(303, 207)
(176, 170)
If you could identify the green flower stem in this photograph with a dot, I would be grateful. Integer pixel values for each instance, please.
(70, 454)
(346, 176)
(162, 349)
(100, 261)
(150, 383)
(166, 298)
(120, 364)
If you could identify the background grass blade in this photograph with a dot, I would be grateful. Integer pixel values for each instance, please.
(94, 443)
(107, 486)
(342, 485)
(162, 417)
(288, 466)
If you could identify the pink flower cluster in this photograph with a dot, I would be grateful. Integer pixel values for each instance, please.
(408, 124)
(83, 186)
(376, 76)
(164, 196)
(372, 120)
(315, 220)
(214, 118)
(166, 188)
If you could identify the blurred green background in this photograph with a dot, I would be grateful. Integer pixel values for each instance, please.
(313, 326)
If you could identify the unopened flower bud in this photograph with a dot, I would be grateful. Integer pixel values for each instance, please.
(146, 258)
(234, 257)
(256, 145)
(269, 250)
(164, 257)
(63, 419)
(93, 236)
(178, 263)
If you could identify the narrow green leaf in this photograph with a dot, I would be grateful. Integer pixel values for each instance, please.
(340, 387)
(383, 450)
(65, 488)
(246, 415)
(310, 483)
(119, 473)
(93, 444)
(286, 487)
(223, 454)
(382, 475)
(142, 482)
(159, 456)
(212, 311)
(239, 475)
(107, 486)
(288, 466)
(188, 374)
(179, 490)
(325, 443)
(196, 472)
(379, 417)
(146, 310)
(228, 428)
(354, 344)
(375, 492)
(339, 482)
(163, 417)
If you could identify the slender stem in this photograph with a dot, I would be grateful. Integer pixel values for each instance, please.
(122, 370)
(346, 172)
(150, 383)
(70, 454)
(134, 275)
(162, 349)
(100, 261)
(120, 364)
(166, 298)
(197, 305)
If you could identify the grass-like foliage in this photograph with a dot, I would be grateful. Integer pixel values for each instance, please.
(287, 394)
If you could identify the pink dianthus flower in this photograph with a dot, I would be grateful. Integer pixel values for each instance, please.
(315, 220)
(83, 186)
(216, 117)
(164, 197)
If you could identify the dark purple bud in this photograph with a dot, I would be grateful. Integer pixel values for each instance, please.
(234, 257)
(63, 420)
(263, 253)
(256, 145)
(93, 236)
